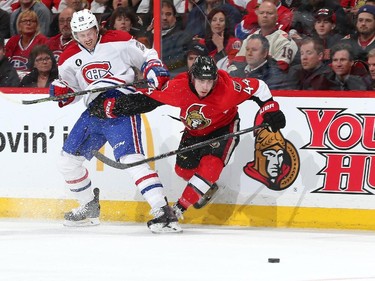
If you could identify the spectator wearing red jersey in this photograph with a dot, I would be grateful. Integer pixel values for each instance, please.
(249, 22)
(19, 46)
(59, 42)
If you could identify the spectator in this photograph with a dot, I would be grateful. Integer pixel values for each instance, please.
(59, 42)
(19, 46)
(324, 28)
(43, 68)
(311, 73)
(364, 39)
(99, 6)
(195, 49)
(4, 24)
(259, 64)
(76, 5)
(218, 39)
(342, 62)
(198, 16)
(7, 5)
(124, 18)
(371, 65)
(303, 17)
(282, 49)
(43, 13)
(249, 22)
(174, 39)
(8, 74)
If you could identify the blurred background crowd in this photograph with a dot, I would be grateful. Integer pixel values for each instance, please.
(290, 44)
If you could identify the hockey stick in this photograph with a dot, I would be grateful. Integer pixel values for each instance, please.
(81, 93)
(123, 166)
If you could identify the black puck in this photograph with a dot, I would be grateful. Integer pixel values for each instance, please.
(273, 260)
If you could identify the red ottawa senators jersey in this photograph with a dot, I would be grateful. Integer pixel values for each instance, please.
(201, 116)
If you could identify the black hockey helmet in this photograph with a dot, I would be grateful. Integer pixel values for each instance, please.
(204, 67)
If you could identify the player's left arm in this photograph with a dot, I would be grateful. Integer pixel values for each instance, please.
(269, 111)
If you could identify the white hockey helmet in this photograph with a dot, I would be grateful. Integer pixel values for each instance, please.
(83, 20)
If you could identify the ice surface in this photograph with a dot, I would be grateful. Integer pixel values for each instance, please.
(46, 250)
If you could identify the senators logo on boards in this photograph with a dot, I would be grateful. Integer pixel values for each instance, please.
(96, 70)
(346, 141)
(276, 161)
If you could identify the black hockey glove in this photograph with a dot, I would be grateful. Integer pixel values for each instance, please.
(271, 114)
(124, 105)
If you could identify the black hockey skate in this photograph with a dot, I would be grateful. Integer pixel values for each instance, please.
(86, 215)
(165, 220)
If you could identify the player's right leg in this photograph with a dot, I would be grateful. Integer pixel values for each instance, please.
(78, 181)
(84, 137)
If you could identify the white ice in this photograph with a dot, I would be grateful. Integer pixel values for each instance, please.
(45, 250)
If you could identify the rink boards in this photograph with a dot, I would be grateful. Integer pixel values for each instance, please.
(327, 177)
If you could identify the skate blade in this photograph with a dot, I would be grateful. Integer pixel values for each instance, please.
(82, 223)
(172, 227)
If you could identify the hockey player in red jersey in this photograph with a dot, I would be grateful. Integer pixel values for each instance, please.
(208, 100)
(97, 59)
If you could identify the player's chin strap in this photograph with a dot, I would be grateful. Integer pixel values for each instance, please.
(123, 166)
(139, 84)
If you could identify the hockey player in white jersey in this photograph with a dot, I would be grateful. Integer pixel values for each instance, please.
(101, 58)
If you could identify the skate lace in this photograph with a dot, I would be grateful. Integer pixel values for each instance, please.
(178, 212)
(157, 213)
(80, 210)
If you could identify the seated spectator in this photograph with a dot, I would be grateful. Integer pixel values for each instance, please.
(43, 13)
(99, 6)
(8, 74)
(364, 39)
(371, 66)
(196, 21)
(249, 22)
(311, 73)
(19, 46)
(58, 43)
(43, 68)
(218, 39)
(324, 28)
(303, 17)
(7, 5)
(4, 24)
(124, 18)
(195, 49)
(259, 64)
(174, 39)
(282, 49)
(76, 5)
(342, 62)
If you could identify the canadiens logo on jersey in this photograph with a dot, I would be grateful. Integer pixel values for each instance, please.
(19, 63)
(96, 70)
(194, 118)
(276, 161)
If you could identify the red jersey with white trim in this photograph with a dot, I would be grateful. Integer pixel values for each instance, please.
(19, 55)
(57, 46)
(202, 116)
(110, 63)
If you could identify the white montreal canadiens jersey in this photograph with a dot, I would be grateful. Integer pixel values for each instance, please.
(110, 63)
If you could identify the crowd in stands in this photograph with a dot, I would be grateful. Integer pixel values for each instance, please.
(290, 44)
